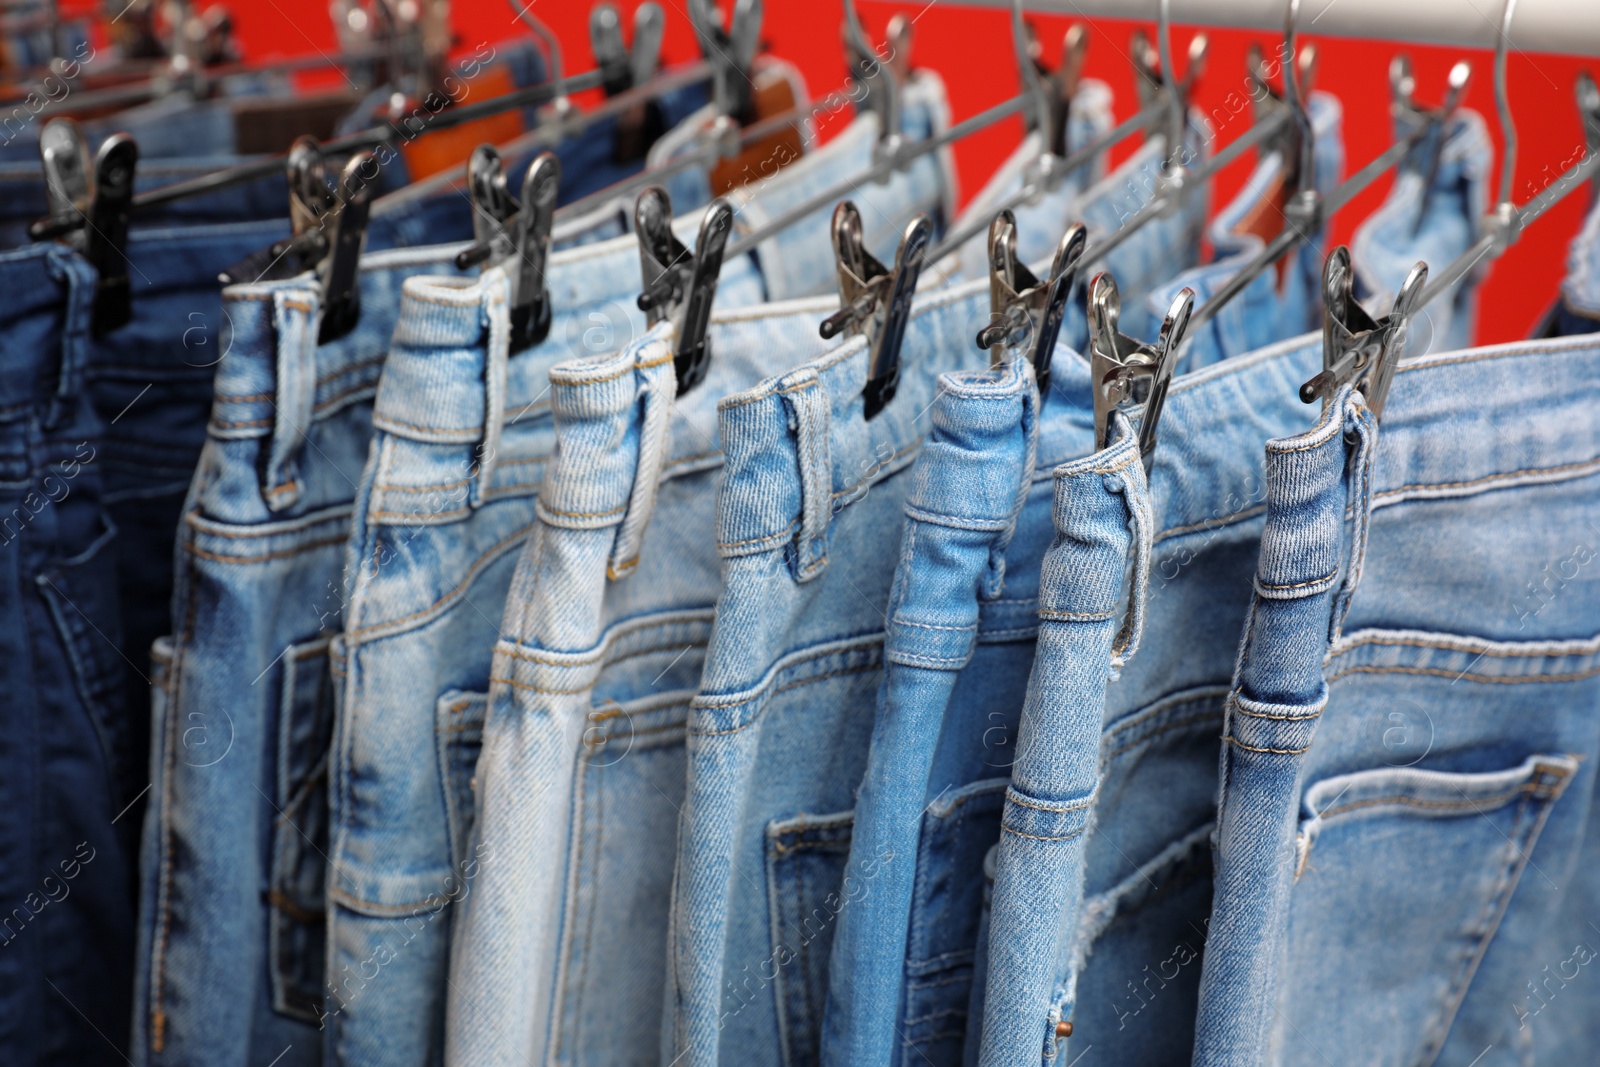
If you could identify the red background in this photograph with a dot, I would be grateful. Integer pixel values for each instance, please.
(971, 49)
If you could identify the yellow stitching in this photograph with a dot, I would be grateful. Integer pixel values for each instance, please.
(1015, 799)
(1484, 678)
(1269, 751)
(1465, 803)
(218, 558)
(1225, 520)
(1176, 724)
(1330, 576)
(1471, 646)
(1491, 477)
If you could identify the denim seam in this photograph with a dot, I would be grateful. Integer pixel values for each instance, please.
(847, 646)
(195, 550)
(1014, 797)
(934, 626)
(493, 552)
(1298, 585)
(1172, 700)
(1312, 440)
(1487, 679)
(1052, 615)
(571, 379)
(582, 514)
(594, 655)
(783, 689)
(956, 522)
(1579, 647)
(1037, 837)
(1266, 751)
(1176, 724)
(1210, 524)
(1490, 478)
(772, 539)
(1238, 698)
(1478, 805)
(911, 659)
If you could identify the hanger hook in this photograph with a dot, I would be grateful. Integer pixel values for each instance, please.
(1502, 103)
(1175, 119)
(552, 46)
(1028, 72)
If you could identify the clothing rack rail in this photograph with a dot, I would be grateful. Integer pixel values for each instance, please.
(1566, 27)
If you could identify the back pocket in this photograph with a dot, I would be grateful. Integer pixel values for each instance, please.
(806, 890)
(1402, 877)
(298, 893)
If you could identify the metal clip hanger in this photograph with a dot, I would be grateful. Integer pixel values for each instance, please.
(105, 239)
(680, 285)
(876, 300)
(1270, 101)
(1157, 80)
(879, 77)
(623, 67)
(339, 270)
(730, 52)
(1125, 372)
(1357, 348)
(507, 229)
(64, 155)
(1026, 312)
(1057, 86)
(311, 198)
(1589, 109)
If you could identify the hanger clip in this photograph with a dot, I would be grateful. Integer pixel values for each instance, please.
(678, 284)
(876, 300)
(508, 230)
(880, 75)
(64, 155)
(1025, 312)
(1270, 102)
(311, 201)
(1356, 347)
(1059, 87)
(105, 238)
(622, 67)
(1427, 125)
(1126, 372)
(341, 289)
(731, 52)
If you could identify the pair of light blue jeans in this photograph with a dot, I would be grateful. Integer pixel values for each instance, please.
(582, 773)
(1406, 847)
(430, 564)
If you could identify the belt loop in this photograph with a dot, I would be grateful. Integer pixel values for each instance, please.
(295, 318)
(810, 421)
(69, 267)
(1361, 458)
(1135, 489)
(994, 578)
(658, 388)
(496, 309)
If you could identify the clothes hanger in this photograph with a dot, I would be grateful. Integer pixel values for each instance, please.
(896, 154)
(1026, 312)
(1058, 86)
(1371, 352)
(730, 52)
(622, 67)
(98, 193)
(1160, 86)
(1125, 372)
(390, 135)
(1308, 210)
(511, 230)
(875, 300)
(679, 285)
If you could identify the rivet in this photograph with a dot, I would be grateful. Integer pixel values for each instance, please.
(1063, 1029)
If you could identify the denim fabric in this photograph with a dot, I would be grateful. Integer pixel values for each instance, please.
(462, 434)
(1437, 850)
(1141, 926)
(799, 261)
(233, 863)
(809, 511)
(929, 799)
(1395, 236)
(1159, 250)
(173, 126)
(1103, 515)
(1042, 219)
(1579, 308)
(22, 196)
(66, 917)
(1319, 488)
(1276, 305)
(603, 641)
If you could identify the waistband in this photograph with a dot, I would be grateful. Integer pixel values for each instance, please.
(1461, 423)
(274, 380)
(798, 449)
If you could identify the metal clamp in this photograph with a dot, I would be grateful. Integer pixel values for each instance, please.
(876, 300)
(1026, 312)
(507, 229)
(1125, 372)
(1357, 348)
(679, 285)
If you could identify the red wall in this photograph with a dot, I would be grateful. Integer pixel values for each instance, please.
(971, 48)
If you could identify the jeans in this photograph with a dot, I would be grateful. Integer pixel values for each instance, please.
(1424, 833)
(1434, 224)
(1269, 309)
(231, 921)
(175, 126)
(1578, 310)
(601, 649)
(810, 507)
(1042, 219)
(66, 916)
